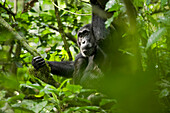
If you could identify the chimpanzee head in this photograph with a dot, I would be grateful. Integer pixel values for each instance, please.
(86, 41)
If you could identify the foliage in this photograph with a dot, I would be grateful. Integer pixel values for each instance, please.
(21, 92)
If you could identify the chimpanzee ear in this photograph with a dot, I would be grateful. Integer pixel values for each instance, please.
(78, 43)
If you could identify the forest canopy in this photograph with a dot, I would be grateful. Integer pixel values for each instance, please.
(138, 83)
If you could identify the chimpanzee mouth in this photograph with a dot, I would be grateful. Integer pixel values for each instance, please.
(88, 52)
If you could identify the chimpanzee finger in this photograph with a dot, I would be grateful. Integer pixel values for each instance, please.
(41, 63)
(39, 60)
(35, 58)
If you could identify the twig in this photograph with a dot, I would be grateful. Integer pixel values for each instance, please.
(131, 12)
(61, 31)
(69, 11)
(68, 35)
(8, 11)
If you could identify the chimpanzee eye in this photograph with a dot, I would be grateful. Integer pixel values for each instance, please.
(85, 32)
(80, 35)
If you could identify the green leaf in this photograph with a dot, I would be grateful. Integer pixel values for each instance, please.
(109, 4)
(15, 98)
(25, 104)
(164, 93)
(41, 94)
(74, 88)
(2, 94)
(38, 107)
(110, 20)
(81, 108)
(112, 5)
(48, 89)
(163, 2)
(62, 84)
(155, 37)
(107, 101)
(31, 105)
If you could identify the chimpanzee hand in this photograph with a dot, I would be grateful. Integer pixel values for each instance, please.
(38, 62)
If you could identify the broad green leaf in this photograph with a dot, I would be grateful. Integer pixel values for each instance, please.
(38, 107)
(74, 88)
(109, 4)
(110, 20)
(155, 37)
(115, 7)
(48, 108)
(164, 93)
(31, 105)
(112, 5)
(26, 104)
(48, 89)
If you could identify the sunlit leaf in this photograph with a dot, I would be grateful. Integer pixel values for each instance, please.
(155, 37)
(74, 88)
(110, 20)
(63, 84)
(109, 4)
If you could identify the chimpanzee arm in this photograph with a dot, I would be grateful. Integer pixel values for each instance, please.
(63, 68)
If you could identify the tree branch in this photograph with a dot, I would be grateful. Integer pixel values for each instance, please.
(44, 72)
(61, 31)
(8, 11)
(131, 12)
(68, 35)
(18, 37)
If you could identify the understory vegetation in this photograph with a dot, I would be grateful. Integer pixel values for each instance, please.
(49, 28)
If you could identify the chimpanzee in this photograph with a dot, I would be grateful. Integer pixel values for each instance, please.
(90, 39)
(75, 69)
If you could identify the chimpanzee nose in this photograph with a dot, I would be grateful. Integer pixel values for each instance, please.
(83, 42)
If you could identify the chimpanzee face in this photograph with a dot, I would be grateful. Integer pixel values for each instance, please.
(86, 41)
